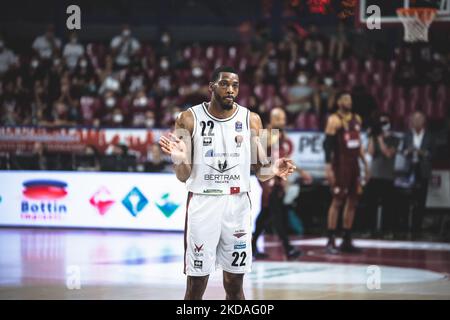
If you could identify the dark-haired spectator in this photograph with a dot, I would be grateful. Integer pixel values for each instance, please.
(300, 95)
(314, 43)
(124, 47)
(47, 45)
(7, 58)
(73, 51)
(88, 160)
(418, 146)
(382, 147)
(338, 43)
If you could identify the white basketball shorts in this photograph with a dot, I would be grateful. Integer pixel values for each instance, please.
(218, 233)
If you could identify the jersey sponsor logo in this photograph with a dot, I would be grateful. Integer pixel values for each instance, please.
(212, 191)
(238, 126)
(234, 190)
(207, 141)
(211, 154)
(238, 139)
(223, 166)
(198, 264)
(240, 245)
(221, 178)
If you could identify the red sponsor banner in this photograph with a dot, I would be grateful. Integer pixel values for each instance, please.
(22, 139)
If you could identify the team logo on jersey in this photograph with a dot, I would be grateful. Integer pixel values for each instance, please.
(223, 166)
(207, 141)
(239, 233)
(238, 139)
(198, 248)
(238, 126)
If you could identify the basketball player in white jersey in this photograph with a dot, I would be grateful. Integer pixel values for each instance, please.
(212, 153)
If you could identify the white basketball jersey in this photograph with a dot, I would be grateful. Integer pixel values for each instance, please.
(221, 152)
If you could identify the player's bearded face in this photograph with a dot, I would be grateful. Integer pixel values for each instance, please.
(345, 103)
(226, 91)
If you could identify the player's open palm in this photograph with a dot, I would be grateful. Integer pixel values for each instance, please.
(175, 147)
(283, 167)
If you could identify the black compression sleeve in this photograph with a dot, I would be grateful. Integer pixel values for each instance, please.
(328, 146)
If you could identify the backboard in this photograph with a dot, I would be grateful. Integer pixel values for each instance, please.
(388, 9)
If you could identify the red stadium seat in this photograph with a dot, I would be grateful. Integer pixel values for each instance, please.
(385, 106)
(323, 66)
(349, 65)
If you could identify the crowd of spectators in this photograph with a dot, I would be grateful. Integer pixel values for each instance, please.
(128, 83)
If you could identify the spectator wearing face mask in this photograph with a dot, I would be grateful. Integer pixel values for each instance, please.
(300, 95)
(124, 48)
(116, 119)
(324, 98)
(73, 51)
(382, 148)
(63, 115)
(196, 88)
(165, 47)
(7, 58)
(109, 103)
(140, 105)
(47, 45)
(136, 79)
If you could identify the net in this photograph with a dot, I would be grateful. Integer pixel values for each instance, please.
(416, 22)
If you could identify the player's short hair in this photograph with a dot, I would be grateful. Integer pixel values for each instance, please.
(342, 93)
(216, 73)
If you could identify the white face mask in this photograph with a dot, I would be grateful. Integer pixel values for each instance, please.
(328, 81)
(164, 64)
(149, 123)
(302, 79)
(83, 63)
(110, 102)
(303, 61)
(141, 102)
(126, 33)
(117, 118)
(165, 38)
(386, 127)
(34, 64)
(197, 72)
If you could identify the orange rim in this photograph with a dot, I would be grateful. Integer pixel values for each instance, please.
(424, 14)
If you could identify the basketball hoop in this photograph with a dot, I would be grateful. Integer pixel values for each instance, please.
(416, 22)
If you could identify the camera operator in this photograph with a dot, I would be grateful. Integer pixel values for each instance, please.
(382, 147)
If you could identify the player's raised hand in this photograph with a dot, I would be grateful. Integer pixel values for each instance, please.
(283, 167)
(175, 147)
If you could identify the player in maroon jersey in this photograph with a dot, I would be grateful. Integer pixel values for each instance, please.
(343, 149)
